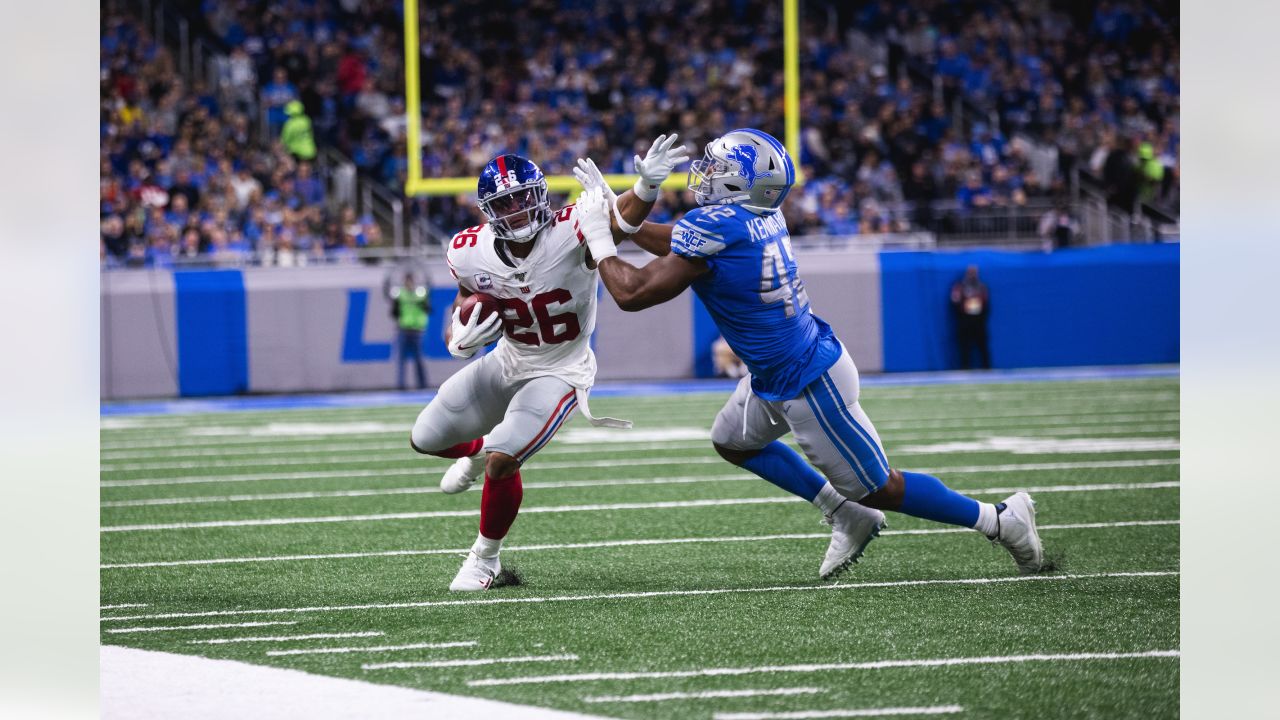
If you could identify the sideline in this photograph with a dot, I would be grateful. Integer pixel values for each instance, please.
(146, 684)
(629, 389)
(526, 599)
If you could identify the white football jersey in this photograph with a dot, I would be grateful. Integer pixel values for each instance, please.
(548, 299)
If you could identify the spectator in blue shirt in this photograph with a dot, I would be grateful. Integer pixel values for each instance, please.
(986, 147)
(309, 188)
(278, 93)
(974, 194)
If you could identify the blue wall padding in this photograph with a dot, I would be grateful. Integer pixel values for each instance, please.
(213, 344)
(354, 346)
(1090, 306)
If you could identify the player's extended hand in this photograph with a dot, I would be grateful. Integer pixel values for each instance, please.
(593, 221)
(589, 176)
(466, 338)
(657, 164)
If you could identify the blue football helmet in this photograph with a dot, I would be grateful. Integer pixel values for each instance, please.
(746, 167)
(512, 193)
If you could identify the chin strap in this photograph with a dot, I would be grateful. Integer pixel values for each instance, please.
(585, 409)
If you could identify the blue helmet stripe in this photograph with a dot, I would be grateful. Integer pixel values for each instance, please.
(776, 145)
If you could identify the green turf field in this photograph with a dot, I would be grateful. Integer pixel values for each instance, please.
(659, 581)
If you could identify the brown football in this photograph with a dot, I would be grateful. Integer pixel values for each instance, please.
(488, 305)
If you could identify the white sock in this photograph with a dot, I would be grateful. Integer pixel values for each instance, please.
(987, 523)
(486, 547)
(829, 499)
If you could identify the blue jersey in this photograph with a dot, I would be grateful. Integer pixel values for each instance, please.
(755, 297)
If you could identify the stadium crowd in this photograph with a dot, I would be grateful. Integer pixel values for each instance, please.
(1092, 84)
(184, 175)
(1099, 81)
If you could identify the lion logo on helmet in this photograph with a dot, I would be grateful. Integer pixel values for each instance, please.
(746, 156)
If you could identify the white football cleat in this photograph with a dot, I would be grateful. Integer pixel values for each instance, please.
(1016, 532)
(462, 474)
(477, 573)
(853, 527)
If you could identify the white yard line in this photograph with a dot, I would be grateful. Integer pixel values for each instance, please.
(852, 713)
(353, 457)
(430, 490)
(148, 684)
(422, 472)
(1024, 467)
(259, 522)
(884, 407)
(1026, 420)
(1094, 487)
(638, 595)
(329, 425)
(823, 667)
(965, 394)
(372, 649)
(316, 435)
(562, 484)
(121, 606)
(376, 449)
(357, 456)
(1017, 445)
(317, 421)
(703, 695)
(177, 628)
(564, 657)
(598, 544)
(288, 638)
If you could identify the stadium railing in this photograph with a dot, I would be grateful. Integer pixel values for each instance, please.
(1011, 223)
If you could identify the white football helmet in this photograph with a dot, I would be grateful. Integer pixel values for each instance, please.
(744, 167)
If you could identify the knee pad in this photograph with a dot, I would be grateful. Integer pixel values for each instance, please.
(724, 431)
(427, 434)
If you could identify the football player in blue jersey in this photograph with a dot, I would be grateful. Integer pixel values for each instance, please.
(735, 252)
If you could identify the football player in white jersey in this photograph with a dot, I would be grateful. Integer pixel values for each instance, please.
(498, 411)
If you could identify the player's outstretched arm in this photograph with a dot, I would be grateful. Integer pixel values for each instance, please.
(632, 288)
(636, 288)
(654, 238)
(628, 211)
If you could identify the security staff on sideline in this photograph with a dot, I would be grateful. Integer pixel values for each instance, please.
(971, 304)
(410, 306)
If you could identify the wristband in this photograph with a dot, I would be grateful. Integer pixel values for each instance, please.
(601, 248)
(623, 225)
(645, 191)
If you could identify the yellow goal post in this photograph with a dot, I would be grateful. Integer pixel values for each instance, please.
(416, 185)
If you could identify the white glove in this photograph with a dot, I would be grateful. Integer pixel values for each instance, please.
(593, 221)
(589, 176)
(466, 338)
(657, 166)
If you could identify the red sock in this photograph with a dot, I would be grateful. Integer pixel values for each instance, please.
(462, 449)
(499, 503)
